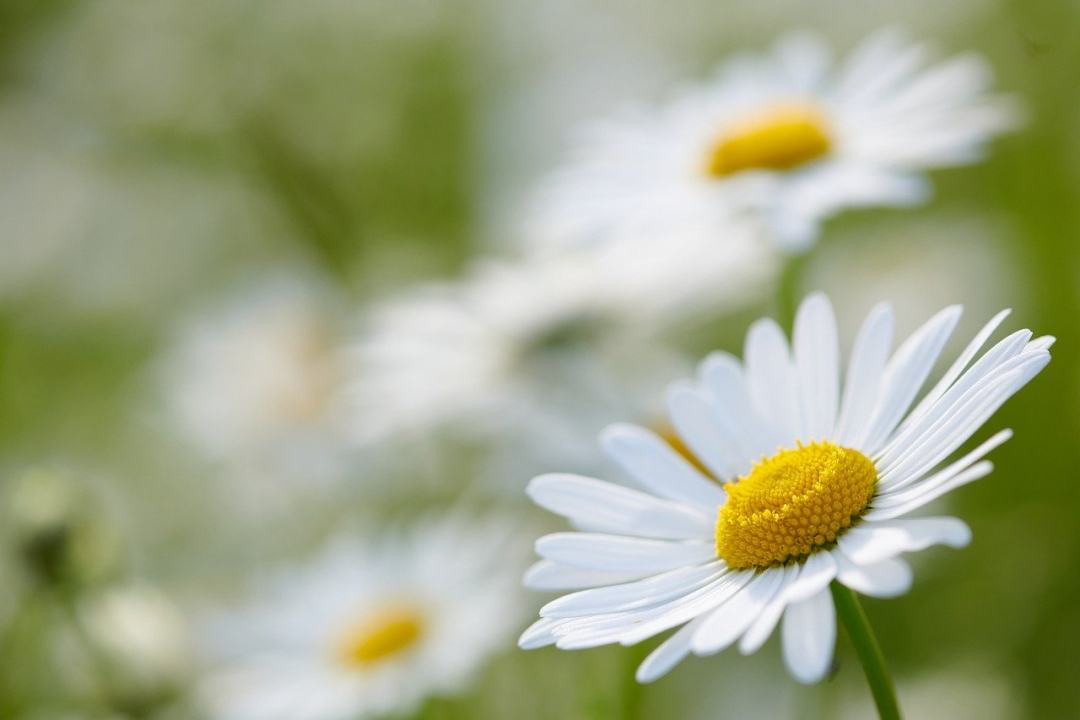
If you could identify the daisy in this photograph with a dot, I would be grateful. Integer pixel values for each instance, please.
(255, 383)
(806, 487)
(369, 628)
(509, 344)
(785, 136)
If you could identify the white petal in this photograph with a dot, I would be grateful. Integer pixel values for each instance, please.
(548, 575)
(721, 376)
(658, 468)
(698, 603)
(873, 542)
(997, 361)
(905, 374)
(615, 553)
(809, 636)
(919, 496)
(727, 622)
(885, 579)
(700, 428)
(958, 366)
(669, 653)
(865, 374)
(537, 635)
(605, 507)
(648, 592)
(888, 493)
(814, 575)
(770, 378)
(962, 422)
(817, 364)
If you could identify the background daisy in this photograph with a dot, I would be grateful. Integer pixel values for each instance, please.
(786, 135)
(369, 629)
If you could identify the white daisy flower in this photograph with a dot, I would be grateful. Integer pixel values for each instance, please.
(512, 340)
(817, 486)
(255, 383)
(785, 135)
(370, 629)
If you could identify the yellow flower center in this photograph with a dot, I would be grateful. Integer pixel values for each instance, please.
(380, 635)
(793, 503)
(778, 138)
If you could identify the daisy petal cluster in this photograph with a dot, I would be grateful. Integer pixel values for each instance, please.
(789, 136)
(369, 629)
(806, 479)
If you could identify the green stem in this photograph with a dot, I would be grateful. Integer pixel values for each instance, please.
(790, 289)
(866, 645)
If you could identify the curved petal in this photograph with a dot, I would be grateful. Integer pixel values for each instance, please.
(808, 636)
(873, 542)
(817, 366)
(615, 553)
(658, 468)
(600, 506)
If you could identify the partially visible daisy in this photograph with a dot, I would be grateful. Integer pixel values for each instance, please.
(805, 485)
(785, 135)
(369, 629)
(255, 383)
(513, 339)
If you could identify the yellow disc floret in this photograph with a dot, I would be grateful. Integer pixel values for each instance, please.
(380, 635)
(793, 503)
(779, 138)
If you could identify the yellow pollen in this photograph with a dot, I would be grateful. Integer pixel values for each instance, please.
(381, 635)
(778, 138)
(793, 503)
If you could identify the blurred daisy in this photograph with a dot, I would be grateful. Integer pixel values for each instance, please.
(255, 384)
(815, 487)
(785, 135)
(514, 341)
(370, 629)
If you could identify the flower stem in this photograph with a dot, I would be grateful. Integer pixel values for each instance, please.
(790, 289)
(866, 645)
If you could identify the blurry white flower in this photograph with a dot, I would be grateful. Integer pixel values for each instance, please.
(784, 135)
(818, 487)
(370, 629)
(255, 384)
(141, 642)
(517, 341)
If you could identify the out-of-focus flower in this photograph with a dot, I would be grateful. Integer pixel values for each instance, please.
(817, 487)
(518, 340)
(63, 540)
(256, 384)
(140, 653)
(785, 136)
(370, 629)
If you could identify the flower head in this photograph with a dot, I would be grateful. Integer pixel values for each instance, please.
(785, 136)
(256, 383)
(803, 485)
(369, 629)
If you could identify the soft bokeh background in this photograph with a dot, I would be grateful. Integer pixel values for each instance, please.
(161, 158)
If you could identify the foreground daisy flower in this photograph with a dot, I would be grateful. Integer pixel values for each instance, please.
(369, 629)
(811, 486)
(785, 135)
